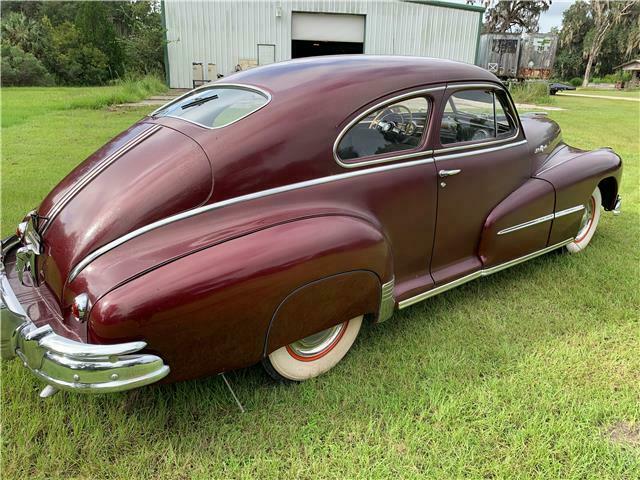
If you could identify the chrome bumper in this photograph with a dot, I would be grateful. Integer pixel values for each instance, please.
(66, 364)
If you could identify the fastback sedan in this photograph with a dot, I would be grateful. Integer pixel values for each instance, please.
(262, 218)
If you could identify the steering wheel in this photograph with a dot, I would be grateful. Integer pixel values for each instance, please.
(479, 135)
(405, 127)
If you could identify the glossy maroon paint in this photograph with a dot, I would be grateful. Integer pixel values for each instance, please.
(221, 289)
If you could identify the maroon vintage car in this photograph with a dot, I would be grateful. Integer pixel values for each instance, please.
(263, 217)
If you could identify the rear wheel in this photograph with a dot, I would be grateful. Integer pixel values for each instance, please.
(313, 355)
(588, 223)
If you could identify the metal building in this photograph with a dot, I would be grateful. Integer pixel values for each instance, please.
(210, 38)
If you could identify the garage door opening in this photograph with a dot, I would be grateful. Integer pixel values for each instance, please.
(309, 48)
(315, 34)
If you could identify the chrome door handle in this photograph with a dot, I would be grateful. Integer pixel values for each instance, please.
(449, 173)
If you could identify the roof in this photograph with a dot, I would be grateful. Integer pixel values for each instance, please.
(459, 6)
(630, 62)
(355, 78)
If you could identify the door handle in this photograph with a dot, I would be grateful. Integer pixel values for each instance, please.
(449, 173)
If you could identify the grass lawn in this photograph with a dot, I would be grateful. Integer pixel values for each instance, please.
(611, 93)
(534, 371)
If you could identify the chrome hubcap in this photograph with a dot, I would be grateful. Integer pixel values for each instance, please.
(318, 342)
(587, 219)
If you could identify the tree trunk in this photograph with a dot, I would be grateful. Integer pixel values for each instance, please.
(587, 71)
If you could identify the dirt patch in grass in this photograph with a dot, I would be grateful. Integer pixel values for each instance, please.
(625, 433)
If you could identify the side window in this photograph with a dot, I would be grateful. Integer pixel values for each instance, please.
(474, 116)
(392, 128)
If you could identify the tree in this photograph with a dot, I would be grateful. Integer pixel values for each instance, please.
(515, 16)
(22, 32)
(606, 14)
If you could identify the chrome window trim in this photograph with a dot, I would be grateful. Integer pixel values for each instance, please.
(232, 201)
(480, 273)
(466, 86)
(543, 219)
(477, 152)
(208, 86)
(357, 119)
(94, 172)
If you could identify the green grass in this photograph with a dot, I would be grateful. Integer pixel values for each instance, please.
(635, 93)
(531, 92)
(20, 104)
(518, 375)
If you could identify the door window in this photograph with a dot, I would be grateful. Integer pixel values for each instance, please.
(476, 116)
(393, 128)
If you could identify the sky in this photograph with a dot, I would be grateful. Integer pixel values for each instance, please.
(553, 16)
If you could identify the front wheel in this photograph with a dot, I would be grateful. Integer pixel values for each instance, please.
(588, 224)
(313, 355)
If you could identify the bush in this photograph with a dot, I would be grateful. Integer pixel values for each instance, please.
(620, 76)
(530, 92)
(576, 81)
(21, 69)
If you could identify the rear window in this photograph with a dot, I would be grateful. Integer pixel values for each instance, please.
(215, 106)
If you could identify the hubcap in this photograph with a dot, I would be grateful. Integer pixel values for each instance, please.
(587, 219)
(318, 344)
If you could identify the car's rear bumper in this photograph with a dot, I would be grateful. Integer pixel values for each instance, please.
(67, 364)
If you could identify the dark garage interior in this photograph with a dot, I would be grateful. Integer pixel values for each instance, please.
(311, 48)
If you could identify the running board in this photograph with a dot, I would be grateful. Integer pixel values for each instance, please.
(480, 273)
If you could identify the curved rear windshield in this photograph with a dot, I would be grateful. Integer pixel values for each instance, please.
(215, 107)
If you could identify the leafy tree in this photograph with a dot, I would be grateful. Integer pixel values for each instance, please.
(22, 68)
(86, 42)
(95, 23)
(578, 40)
(606, 14)
(514, 16)
(22, 32)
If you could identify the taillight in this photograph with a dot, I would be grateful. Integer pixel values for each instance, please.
(79, 307)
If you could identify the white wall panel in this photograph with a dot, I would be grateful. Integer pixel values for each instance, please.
(228, 32)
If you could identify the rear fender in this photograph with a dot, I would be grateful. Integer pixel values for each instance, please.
(320, 305)
(210, 311)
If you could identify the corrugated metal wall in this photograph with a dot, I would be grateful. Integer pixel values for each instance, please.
(227, 32)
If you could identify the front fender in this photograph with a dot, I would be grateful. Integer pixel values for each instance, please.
(575, 179)
(209, 311)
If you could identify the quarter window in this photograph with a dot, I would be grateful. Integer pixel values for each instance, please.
(476, 115)
(392, 128)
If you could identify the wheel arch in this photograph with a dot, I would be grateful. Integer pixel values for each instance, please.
(609, 190)
(294, 318)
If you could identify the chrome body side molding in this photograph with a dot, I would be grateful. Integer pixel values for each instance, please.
(232, 201)
(265, 193)
(546, 218)
(387, 301)
(480, 273)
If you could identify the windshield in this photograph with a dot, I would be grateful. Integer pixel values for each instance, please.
(216, 106)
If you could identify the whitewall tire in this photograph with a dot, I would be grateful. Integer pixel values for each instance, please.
(588, 223)
(313, 355)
